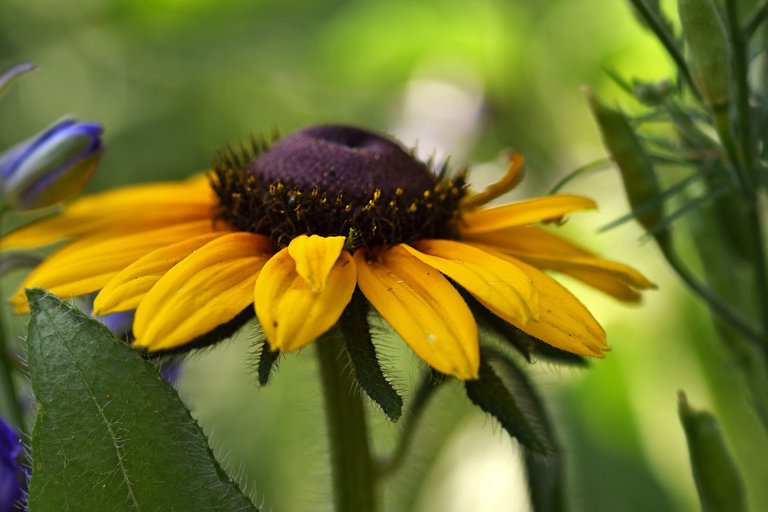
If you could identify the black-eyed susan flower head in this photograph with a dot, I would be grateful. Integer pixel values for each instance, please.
(294, 229)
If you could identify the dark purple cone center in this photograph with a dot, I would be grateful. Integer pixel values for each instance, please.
(342, 160)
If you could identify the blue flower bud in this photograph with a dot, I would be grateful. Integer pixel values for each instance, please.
(50, 167)
(11, 472)
(8, 76)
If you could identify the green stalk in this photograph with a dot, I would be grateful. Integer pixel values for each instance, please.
(353, 469)
(6, 362)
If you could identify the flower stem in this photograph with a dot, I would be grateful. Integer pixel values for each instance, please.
(353, 470)
(6, 362)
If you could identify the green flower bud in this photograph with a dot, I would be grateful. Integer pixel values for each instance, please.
(640, 181)
(8, 76)
(717, 479)
(50, 167)
(708, 50)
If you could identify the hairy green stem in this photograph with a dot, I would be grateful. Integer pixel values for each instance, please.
(353, 469)
(6, 361)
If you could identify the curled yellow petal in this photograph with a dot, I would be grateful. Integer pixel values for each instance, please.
(496, 283)
(87, 265)
(118, 211)
(563, 321)
(204, 290)
(315, 256)
(423, 307)
(126, 289)
(507, 182)
(291, 313)
(523, 212)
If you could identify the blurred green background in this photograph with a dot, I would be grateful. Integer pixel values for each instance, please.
(173, 81)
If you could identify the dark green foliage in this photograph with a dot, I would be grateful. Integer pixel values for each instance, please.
(110, 434)
(503, 391)
(267, 361)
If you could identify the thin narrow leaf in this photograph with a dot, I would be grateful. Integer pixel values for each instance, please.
(655, 202)
(357, 337)
(661, 27)
(110, 433)
(597, 165)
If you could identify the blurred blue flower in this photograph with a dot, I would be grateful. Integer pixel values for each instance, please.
(8, 76)
(11, 471)
(51, 166)
(170, 370)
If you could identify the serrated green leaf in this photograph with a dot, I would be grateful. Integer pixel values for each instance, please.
(357, 337)
(498, 397)
(110, 434)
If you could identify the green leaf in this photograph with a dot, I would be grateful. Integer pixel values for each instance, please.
(357, 336)
(544, 469)
(506, 395)
(110, 434)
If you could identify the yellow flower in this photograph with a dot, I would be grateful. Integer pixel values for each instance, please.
(293, 229)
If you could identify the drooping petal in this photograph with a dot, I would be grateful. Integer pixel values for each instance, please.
(291, 313)
(563, 321)
(496, 283)
(87, 265)
(423, 307)
(550, 251)
(315, 256)
(128, 287)
(121, 210)
(523, 212)
(206, 289)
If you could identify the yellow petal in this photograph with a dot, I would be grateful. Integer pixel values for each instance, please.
(118, 211)
(315, 256)
(523, 212)
(423, 307)
(206, 289)
(563, 322)
(499, 285)
(128, 287)
(553, 252)
(290, 312)
(86, 266)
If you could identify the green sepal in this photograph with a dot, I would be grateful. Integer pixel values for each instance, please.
(717, 478)
(357, 337)
(503, 391)
(110, 433)
(267, 361)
